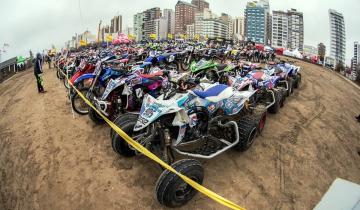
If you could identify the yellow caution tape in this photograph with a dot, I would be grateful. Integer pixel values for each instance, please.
(149, 154)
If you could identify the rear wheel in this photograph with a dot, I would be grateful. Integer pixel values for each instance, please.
(248, 127)
(171, 190)
(297, 82)
(290, 86)
(284, 93)
(261, 116)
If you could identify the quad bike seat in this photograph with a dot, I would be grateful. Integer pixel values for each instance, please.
(271, 63)
(120, 70)
(221, 67)
(259, 76)
(278, 71)
(215, 93)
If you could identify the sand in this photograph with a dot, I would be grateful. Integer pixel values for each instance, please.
(50, 160)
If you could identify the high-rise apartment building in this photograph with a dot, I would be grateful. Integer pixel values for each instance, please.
(356, 53)
(169, 14)
(104, 30)
(296, 29)
(150, 16)
(238, 28)
(228, 21)
(200, 5)
(139, 26)
(355, 61)
(161, 28)
(190, 31)
(288, 29)
(337, 36)
(199, 20)
(116, 24)
(257, 21)
(215, 28)
(184, 15)
(280, 29)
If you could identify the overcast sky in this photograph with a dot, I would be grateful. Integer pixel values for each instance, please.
(36, 24)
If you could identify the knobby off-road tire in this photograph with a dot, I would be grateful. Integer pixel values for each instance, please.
(248, 129)
(297, 81)
(59, 74)
(66, 83)
(261, 116)
(75, 97)
(284, 93)
(290, 86)
(95, 117)
(183, 65)
(171, 190)
(126, 123)
(124, 118)
(276, 106)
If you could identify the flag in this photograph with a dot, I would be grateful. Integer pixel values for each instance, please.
(152, 36)
(109, 38)
(83, 42)
(131, 36)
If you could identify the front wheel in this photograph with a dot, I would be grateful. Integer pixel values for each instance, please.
(171, 190)
(66, 83)
(78, 104)
(126, 123)
(184, 64)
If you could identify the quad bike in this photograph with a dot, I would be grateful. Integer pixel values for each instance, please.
(211, 70)
(125, 94)
(290, 73)
(266, 82)
(199, 124)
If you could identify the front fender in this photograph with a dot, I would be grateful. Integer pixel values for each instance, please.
(84, 77)
(152, 109)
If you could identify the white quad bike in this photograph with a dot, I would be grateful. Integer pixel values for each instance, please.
(195, 124)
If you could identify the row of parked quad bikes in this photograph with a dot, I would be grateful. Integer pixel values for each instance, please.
(178, 102)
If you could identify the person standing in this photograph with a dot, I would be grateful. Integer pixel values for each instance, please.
(38, 73)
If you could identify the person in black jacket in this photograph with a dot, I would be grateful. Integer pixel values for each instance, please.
(38, 72)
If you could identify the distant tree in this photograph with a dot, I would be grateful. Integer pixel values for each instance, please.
(340, 67)
(358, 73)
